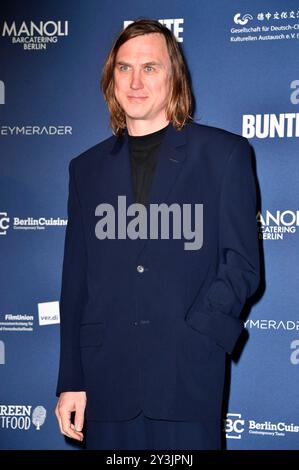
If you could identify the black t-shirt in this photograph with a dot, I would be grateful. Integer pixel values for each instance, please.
(143, 156)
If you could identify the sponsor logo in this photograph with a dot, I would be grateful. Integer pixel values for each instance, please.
(35, 130)
(270, 126)
(242, 20)
(16, 323)
(29, 223)
(4, 223)
(175, 25)
(286, 325)
(273, 226)
(38, 416)
(264, 24)
(236, 427)
(22, 417)
(35, 35)
(48, 313)
(271, 429)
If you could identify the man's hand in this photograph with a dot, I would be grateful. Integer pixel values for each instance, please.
(67, 403)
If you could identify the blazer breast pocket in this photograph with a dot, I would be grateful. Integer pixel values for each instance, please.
(92, 335)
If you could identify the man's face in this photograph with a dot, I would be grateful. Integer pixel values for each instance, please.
(142, 78)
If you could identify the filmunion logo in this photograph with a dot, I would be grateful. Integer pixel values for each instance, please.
(242, 20)
(275, 225)
(48, 313)
(22, 416)
(35, 35)
(175, 25)
(159, 215)
(4, 223)
(17, 323)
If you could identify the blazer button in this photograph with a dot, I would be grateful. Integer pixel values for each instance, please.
(140, 268)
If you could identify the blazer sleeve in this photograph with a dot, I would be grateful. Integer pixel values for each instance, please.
(73, 294)
(216, 314)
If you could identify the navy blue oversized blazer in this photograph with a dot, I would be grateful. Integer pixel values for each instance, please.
(156, 339)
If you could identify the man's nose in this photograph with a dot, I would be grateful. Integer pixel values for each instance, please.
(136, 81)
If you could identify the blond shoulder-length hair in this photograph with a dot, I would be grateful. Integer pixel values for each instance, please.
(178, 110)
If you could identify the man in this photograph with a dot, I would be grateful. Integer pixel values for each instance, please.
(146, 322)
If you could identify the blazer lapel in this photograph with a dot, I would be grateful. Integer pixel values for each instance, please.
(121, 178)
(172, 154)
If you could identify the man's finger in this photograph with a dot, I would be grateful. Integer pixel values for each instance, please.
(80, 434)
(79, 418)
(58, 418)
(66, 426)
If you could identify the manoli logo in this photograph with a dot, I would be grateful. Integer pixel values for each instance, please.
(42, 28)
(35, 35)
(274, 225)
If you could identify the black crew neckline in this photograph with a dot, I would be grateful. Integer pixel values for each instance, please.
(147, 138)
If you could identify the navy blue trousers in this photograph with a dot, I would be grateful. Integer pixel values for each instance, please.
(143, 433)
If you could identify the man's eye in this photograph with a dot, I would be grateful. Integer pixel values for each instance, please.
(149, 68)
(124, 68)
